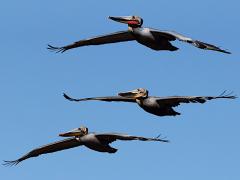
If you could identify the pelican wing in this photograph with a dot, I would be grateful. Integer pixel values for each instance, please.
(107, 98)
(107, 138)
(173, 101)
(120, 36)
(49, 148)
(171, 36)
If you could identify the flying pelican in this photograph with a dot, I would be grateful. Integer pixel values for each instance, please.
(160, 106)
(80, 136)
(152, 38)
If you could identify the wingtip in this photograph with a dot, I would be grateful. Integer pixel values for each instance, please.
(167, 141)
(55, 49)
(70, 99)
(10, 163)
(162, 139)
(203, 45)
(225, 51)
(66, 96)
(233, 97)
(50, 47)
(229, 95)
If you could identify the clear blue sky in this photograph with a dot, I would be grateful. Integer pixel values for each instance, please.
(204, 139)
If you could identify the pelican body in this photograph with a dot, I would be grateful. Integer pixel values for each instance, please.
(152, 38)
(159, 106)
(80, 137)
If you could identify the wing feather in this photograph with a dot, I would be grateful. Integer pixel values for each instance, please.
(49, 148)
(107, 98)
(171, 36)
(107, 138)
(173, 101)
(120, 36)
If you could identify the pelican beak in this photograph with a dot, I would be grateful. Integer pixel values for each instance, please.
(130, 20)
(74, 132)
(130, 94)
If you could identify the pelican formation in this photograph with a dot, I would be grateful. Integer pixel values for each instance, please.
(80, 136)
(152, 38)
(160, 106)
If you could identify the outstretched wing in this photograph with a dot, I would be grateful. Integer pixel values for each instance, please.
(107, 138)
(120, 36)
(173, 101)
(49, 148)
(107, 98)
(171, 36)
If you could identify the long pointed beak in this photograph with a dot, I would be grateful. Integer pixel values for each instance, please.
(74, 132)
(124, 19)
(130, 94)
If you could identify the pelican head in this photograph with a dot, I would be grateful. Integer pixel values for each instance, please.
(77, 132)
(136, 93)
(132, 21)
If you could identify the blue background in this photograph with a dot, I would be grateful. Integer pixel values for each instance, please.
(204, 139)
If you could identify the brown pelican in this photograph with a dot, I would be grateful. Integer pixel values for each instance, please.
(152, 38)
(80, 136)
(160, 106)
